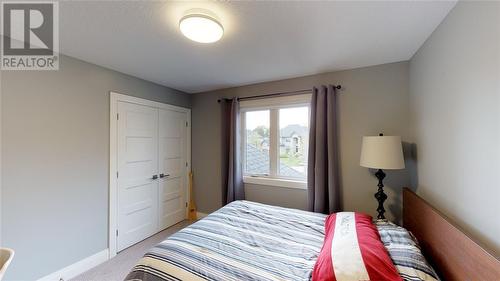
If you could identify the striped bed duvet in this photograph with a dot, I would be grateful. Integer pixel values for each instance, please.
(242, 241)
(251, 241)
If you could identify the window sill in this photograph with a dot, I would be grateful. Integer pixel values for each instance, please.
(275, 182)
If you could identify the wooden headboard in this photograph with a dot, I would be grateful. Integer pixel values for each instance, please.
(453, 254)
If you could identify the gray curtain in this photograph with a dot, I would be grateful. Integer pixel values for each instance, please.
(232, 177)
(323, 168)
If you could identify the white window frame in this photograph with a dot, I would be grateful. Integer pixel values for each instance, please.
(273, 105)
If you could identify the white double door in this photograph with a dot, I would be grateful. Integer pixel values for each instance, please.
(152, 172)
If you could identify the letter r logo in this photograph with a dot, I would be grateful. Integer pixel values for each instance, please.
(28, 29)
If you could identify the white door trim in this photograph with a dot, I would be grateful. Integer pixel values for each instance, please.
(114, 98)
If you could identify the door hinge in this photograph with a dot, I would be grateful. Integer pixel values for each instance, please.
(186, 164)
(116, 174)
(186, 124)
(186, 204)
(117, 232)
(117, 116)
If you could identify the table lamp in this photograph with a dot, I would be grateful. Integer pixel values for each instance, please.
(382, 152)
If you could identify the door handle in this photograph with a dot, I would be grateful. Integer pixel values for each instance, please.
(154, 177)
(163, 175)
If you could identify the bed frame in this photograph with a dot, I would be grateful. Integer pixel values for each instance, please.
(452, 253)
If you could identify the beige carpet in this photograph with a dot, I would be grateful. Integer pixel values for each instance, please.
(117, 268)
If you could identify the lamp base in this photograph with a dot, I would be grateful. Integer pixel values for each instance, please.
(380, 195)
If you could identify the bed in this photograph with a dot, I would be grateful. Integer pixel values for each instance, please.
(242, 241)
(251, 241)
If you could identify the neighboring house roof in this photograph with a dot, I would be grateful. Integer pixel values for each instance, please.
(290, 130)
(258, 162)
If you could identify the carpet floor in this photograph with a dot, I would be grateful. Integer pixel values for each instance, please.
(117, 268)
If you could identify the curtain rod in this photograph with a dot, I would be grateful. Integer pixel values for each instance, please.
(290, 93)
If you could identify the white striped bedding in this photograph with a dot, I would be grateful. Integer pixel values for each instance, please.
(242, 241)
(250, 241)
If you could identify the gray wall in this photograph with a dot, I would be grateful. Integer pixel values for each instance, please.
(455, 106)
(374, 99)
(55, 161)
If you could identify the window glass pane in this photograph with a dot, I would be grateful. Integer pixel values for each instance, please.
(293, 142)
(257, 142)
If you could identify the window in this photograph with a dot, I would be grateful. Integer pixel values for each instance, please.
(257, 143)
(275, 134)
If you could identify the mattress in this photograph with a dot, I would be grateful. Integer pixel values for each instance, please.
(242, 241)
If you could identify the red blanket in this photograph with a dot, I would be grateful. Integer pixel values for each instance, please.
(353, 251)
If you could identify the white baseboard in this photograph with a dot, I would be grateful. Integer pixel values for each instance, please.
(77, 268)
(200, 215)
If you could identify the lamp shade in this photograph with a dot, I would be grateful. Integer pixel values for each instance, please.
(382, 152)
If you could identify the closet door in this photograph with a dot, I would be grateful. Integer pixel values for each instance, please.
(172, 167)
(137, 180)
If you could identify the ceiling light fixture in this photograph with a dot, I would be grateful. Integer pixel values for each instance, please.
(201, 28)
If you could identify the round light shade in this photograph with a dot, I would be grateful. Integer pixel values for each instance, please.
(201, 28)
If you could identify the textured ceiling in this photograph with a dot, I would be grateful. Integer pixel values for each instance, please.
(263, 41)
